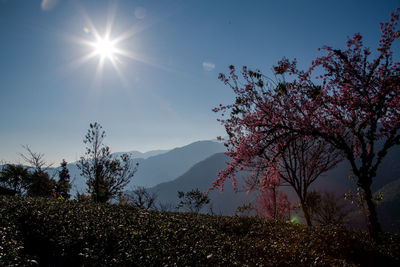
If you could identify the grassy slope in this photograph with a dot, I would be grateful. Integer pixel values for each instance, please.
(66, 233)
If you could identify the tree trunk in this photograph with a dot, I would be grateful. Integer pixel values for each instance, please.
(274, 203)
(306, 213)
(373, 224)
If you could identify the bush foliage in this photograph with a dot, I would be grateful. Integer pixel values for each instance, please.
(52, 232)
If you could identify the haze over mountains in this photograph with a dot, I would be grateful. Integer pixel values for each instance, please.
(201, 176)
(336, 180)
(158, 166)
(196, 165)
(142, 155)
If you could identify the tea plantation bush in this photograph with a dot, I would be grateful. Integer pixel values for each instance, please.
(50, 232)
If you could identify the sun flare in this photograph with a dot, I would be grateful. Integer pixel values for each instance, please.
(105, 48)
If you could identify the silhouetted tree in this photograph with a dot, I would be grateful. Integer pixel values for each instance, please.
(4, 191)
(140, 197)
(40, 184)
(331, 209)
(63, 184)
(165, 206)
(311, 205)
(193, 200)
(106, 177)
(245, 210)
(15, 178)
(82, 197)
(34, 159)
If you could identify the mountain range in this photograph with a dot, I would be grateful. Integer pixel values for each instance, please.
(164, 172)
(201, 176)
(337, 180)
(142, 155)
(156, 166)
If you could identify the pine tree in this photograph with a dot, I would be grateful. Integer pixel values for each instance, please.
(63, 185)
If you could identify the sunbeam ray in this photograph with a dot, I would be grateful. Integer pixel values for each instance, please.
(99, 71)
(104, 45)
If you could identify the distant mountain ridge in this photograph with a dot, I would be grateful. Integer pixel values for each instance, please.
(156, 166)
(196, 166)
(168, 166)
(336, 180)
(142, 155)
(201, 176)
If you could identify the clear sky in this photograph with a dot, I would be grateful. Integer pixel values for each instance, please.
(157, 86)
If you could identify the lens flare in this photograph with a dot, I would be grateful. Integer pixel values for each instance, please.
(294, 219)
(86, 30)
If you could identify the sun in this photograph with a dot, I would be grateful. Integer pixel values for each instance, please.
(105, 48)
(108, 48)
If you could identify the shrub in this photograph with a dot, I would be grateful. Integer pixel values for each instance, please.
(70, 233)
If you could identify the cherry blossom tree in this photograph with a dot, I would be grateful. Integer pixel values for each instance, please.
(271, 162)
(302, 162)
(355, 105)
(271, 202)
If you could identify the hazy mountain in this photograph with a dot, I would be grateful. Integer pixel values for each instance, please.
(205, 172)
(161, 167)
(168, 166)
(141, 155)
(338, 179)
(201, 176)
(195, 166)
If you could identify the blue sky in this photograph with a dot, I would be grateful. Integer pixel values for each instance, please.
(161, 95)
